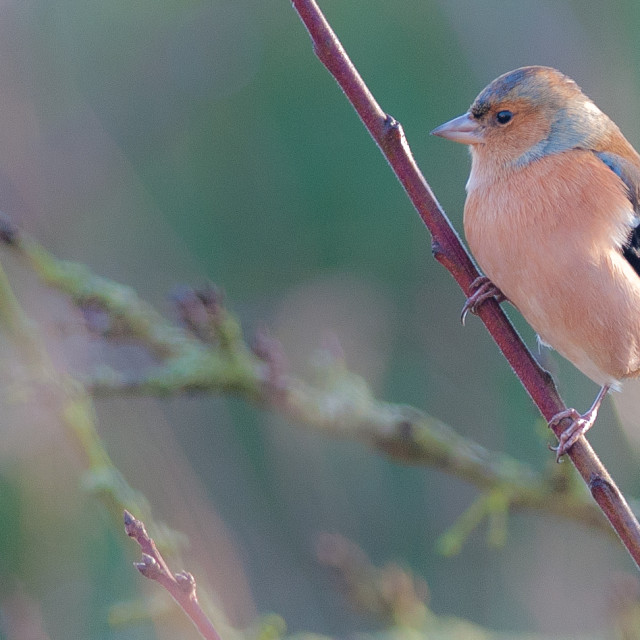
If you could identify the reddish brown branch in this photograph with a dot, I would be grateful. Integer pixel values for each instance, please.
(181, 586)
(449, 251)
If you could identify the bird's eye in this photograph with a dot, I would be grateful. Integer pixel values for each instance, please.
(504, 116)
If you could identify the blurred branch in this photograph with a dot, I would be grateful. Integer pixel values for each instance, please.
(181, 586)
(69, 397)
(398, 599)
(391, 594)
(449, 251)
(337, 401)
(70, 401)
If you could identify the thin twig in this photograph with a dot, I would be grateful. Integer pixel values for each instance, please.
(181, 586)
(449, 251)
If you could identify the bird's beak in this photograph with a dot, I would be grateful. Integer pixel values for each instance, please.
(464, 129)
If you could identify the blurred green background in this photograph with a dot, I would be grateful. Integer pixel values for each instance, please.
(164, 143)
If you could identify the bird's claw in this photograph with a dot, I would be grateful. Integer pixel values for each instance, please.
(483, 289)
(579, 425)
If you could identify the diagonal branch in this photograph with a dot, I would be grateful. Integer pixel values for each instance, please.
(181, 586)
(449, 251)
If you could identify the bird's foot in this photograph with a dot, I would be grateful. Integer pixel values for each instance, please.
(579, 425)
(483, 289)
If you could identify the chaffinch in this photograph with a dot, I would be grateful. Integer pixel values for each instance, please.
(551, 217)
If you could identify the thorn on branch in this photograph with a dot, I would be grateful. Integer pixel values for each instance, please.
(600, 486)
(392, 127)
(436, 250)
(449, 258)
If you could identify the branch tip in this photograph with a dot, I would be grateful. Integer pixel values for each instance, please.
(134, 528)
(181, 586)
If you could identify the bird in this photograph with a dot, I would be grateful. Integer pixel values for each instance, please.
(552, 218)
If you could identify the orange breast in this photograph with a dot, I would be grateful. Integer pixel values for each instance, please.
(549, 235)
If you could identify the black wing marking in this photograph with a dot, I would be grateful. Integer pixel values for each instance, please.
(630, 175)
(631, 251)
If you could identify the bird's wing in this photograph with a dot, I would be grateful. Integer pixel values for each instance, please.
(629, 173)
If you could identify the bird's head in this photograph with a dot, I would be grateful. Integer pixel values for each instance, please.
(526, 114)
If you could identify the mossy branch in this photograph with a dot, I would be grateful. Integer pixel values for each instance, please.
(209, 353)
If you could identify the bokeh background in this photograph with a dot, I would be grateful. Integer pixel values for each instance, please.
(164, 143)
